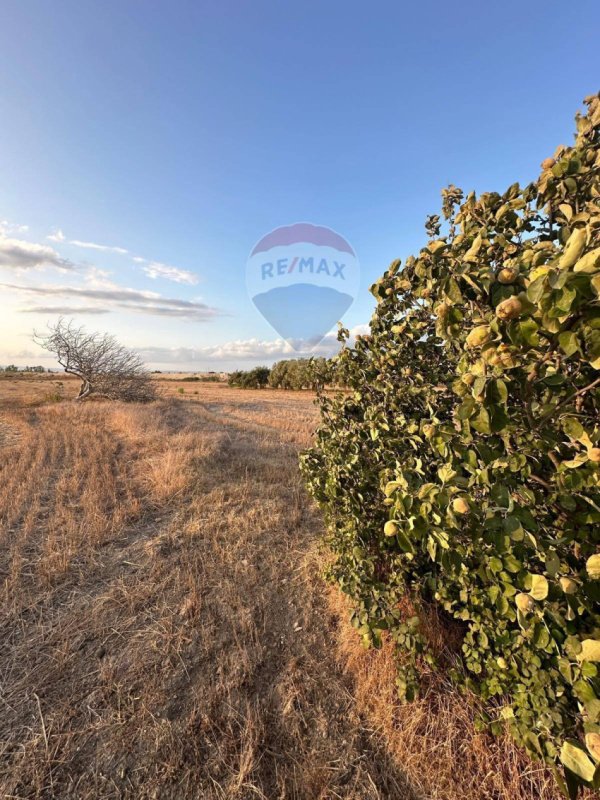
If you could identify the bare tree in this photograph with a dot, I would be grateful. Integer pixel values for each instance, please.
(105, 368)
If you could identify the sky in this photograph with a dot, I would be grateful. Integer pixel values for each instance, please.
(146, 147)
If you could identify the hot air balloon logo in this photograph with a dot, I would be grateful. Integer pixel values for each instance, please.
(302, 278)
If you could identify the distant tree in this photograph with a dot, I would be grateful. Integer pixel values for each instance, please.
(298, 373)
(235, 377)
(105, 368)
(256, 378)
(278, 377)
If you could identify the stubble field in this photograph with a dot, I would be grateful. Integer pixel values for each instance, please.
(164, 629)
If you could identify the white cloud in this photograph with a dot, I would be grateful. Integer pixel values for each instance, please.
(246, 350)
(154, 270)
(58, 236)
(65, 311)
(7, 228)
(112, 297)
(103, 247)
(18, 254)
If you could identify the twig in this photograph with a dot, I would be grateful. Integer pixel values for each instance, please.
(541, 481)
(578, 393)
(45, 735)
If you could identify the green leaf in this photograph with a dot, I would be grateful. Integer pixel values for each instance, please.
(535, 290)
(453, 292)
(481, 423)
(512, 525)
(552, 563)
(501, 390)
(539, 587)
(574, 758)
(565, 300)
(528, 332)
(573, 428)
(568, 342)
(405, 543)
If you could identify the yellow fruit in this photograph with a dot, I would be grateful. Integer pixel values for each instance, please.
(490, 355)
(592, 566)
(568, 586)
(547, 163)
(594, 454)
(525, 603)
(510, 308)
(390, 528)
(460, 505)
(507, 275)
(478, 336)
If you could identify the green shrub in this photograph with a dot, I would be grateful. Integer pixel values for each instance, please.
(256, 378)
(462, 466)
(298, 373)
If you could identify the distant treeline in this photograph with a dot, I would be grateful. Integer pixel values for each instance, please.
(296, 373)
(14, 368)
(202, 378)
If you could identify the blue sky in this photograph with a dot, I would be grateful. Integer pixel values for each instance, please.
(182, 132)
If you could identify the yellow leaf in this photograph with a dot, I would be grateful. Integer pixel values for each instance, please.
(573, 248)
(539, 587)
(592, 742)
(590, 650)
(590, 262)
(574, 757)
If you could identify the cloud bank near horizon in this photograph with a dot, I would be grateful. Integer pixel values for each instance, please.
(246, 350)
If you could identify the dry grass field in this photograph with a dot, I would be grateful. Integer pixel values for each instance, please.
(164, 631)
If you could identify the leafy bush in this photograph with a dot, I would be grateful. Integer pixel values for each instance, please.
(256, 378)
(293, 373)
(462, 466)
(297, 373)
